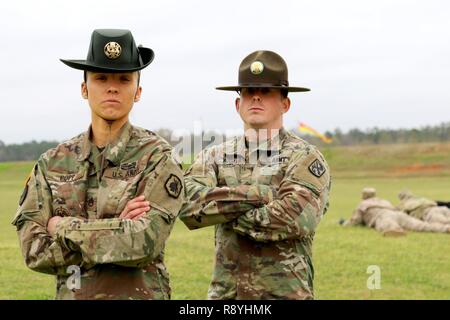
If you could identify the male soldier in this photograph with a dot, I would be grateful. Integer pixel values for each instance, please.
(423, 208)
(105, 201)
(384, 217)
(265, 192)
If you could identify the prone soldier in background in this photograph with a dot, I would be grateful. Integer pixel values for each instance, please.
(384, 217)
(423, 208)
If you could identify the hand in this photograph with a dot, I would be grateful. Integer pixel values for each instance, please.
(51, 224)
(135, 208)
(341, 221)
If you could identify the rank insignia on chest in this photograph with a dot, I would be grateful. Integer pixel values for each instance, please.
(317, 168)
(62, 212)
(173, 186)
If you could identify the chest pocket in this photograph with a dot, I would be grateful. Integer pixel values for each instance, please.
(115, 190)
(68, 193)
(270, 171)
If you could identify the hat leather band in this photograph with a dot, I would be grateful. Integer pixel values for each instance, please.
(280, 84)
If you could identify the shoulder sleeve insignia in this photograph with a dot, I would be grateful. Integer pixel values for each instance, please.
(173, 186)
(317, 168)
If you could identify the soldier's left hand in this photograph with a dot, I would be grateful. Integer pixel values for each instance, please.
(51, 224)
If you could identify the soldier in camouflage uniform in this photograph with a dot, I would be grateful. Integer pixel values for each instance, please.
(384, 217)
(265, 192)
(423, 208)
(105, 201)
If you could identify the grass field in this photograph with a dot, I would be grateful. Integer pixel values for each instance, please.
(413, 267)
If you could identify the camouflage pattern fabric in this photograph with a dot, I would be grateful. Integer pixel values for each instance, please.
(265, 203)
(415, 206)
(437, 215)
(118, 258)
(423, 208)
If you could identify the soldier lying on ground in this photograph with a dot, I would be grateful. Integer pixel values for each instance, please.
(423, 208)
(384, 217)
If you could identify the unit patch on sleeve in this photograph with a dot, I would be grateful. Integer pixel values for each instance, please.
(317, 168)
(173, 186)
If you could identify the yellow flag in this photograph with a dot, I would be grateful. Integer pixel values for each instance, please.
(308, 130)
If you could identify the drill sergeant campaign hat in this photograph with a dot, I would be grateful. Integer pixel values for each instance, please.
(263, 69)
(113, 50)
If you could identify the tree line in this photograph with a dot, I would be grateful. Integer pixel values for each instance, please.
(30, 151)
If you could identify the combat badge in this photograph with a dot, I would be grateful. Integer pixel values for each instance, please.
(128, 166)
(173, 186)
(317, 168)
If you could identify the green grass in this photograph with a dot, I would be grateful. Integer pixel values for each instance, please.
(431, 159)
(412, 267)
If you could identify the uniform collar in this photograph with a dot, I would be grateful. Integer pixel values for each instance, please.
(272, 144)
(239, 147)
(114, 151)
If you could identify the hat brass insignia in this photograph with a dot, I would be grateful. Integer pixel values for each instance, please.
(113, 50)
(257, 67)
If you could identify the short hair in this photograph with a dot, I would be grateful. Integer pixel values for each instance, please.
(85, 76)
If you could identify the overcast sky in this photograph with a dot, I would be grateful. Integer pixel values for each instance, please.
(382, 63)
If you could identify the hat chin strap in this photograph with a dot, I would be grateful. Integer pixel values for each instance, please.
(106, 149)
(140, 57)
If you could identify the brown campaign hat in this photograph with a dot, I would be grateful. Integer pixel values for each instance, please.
(113, 50)
(263, 69)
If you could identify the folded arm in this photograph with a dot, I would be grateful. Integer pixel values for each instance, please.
(299, 206)
(207, 204)
(130, 242)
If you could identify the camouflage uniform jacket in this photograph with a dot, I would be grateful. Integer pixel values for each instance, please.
(368, 211)
(118, 259)
(265, 203)
(416, 207)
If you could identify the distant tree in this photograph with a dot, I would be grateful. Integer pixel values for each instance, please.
(439, 133)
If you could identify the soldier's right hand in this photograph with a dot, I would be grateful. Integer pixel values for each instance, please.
(135, 208)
